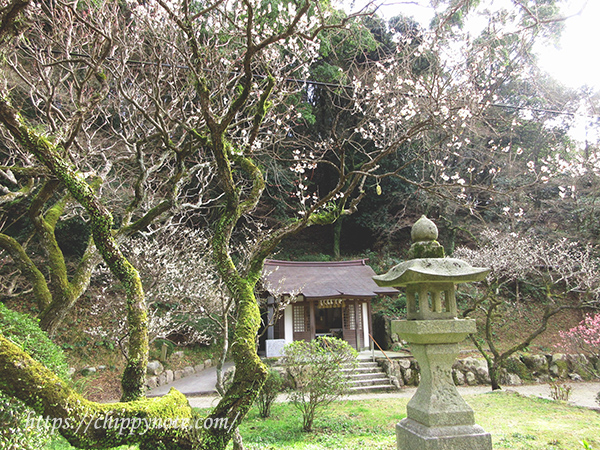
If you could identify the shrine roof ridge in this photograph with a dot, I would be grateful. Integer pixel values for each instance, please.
(323, 279)
(353, 262)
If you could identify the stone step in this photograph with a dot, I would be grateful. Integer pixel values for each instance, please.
(383, 381)
(367, 376)
(371, 388)
(361, 366)
(374, 366)
(362, 371)
(361, 376)
(368, 364)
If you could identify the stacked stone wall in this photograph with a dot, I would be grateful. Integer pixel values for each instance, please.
(518, 369)
(158, 376)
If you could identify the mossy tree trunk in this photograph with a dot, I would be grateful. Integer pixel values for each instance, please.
(65, 291)
(101, 222)
(56, 296)
(87, 424)
(27, 267)
(241, 184)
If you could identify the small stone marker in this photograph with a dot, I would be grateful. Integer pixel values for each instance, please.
(163, 352)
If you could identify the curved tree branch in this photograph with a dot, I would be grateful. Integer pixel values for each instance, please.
(101, 220)
(28, 268)
(87, 424)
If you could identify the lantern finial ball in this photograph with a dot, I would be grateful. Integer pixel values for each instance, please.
(424, 230)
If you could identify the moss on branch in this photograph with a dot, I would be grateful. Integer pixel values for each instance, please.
(29, 269)
(164, 422)
(101, 222)
(45, 226)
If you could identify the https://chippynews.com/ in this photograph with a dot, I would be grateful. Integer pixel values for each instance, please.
(127, 425)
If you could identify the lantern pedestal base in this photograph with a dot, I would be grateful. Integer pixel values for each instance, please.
(412, 435)
(438, 418)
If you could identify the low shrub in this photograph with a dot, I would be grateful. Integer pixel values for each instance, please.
(17, 428)
(272, 387)
(25, 332)
(315, 369)
(560, 392)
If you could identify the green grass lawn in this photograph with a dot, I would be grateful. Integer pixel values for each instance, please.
(515, 423)
(528, 423)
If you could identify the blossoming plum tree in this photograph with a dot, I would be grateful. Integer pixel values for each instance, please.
(180, 111)
(563, 275)
(585, 337)
(158, 107)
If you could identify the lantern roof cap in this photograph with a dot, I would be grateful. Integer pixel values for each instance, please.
(431, 270)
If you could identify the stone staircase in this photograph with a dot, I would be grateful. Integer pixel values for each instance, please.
(368, 377)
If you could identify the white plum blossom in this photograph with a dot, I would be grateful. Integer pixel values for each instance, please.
(179, 281)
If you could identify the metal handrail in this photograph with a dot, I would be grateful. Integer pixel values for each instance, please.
(380, 349)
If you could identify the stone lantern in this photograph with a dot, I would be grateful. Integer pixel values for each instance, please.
(438, 418)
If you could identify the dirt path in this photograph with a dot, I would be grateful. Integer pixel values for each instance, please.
(582, 394)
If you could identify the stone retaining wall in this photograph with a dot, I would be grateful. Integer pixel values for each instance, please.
(158, 376)
(519, 369)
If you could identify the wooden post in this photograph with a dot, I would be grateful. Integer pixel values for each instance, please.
(313, 326)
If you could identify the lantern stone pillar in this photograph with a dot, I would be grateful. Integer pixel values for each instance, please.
(437, 417)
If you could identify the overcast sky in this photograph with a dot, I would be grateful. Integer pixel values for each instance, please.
(574, 63)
